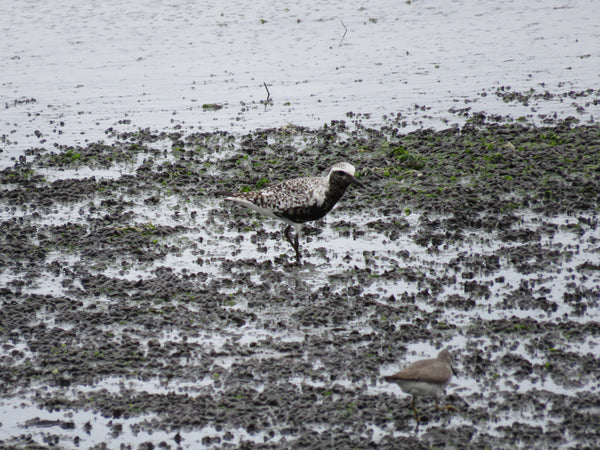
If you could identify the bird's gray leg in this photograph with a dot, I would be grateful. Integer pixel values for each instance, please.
(297, 246)
(294, 243)
(287, 234)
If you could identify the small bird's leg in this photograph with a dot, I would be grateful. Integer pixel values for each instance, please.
(414, 408)
(447, 407)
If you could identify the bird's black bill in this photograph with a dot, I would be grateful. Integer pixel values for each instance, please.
(353, 180)
(454, 372)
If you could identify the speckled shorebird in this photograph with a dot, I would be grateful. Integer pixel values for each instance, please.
(425, 377)
(300, 200)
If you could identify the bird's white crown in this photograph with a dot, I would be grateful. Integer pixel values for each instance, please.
(344, 167)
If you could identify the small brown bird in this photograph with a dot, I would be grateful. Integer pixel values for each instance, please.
(425, 377)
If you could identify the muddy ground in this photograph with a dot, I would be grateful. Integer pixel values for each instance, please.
(138, 309)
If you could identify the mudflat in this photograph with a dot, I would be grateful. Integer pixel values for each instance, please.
(138, 308)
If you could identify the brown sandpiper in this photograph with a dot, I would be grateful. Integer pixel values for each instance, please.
(425, 378)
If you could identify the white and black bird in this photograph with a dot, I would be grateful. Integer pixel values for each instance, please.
(424, 378)
(300, 200)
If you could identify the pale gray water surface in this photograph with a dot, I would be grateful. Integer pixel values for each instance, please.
(72, 69)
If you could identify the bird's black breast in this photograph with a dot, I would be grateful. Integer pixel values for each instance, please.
(303, 214)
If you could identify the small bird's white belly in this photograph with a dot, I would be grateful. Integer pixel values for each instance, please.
(421, 388)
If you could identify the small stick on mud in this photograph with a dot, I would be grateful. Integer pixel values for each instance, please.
(268, 100)
(345, 31)
(383, 305)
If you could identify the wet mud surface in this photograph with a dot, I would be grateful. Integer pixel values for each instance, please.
(140, 309)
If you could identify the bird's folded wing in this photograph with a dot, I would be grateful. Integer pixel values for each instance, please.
(297, 193)
(431, 371)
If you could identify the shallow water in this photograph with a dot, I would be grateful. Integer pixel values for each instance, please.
(155, 64)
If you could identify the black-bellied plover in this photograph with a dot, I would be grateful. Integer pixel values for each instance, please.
(425, 377)
(300, 200)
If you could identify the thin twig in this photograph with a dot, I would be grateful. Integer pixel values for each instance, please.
(383, 305)
(345, 31)
(268, 100)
